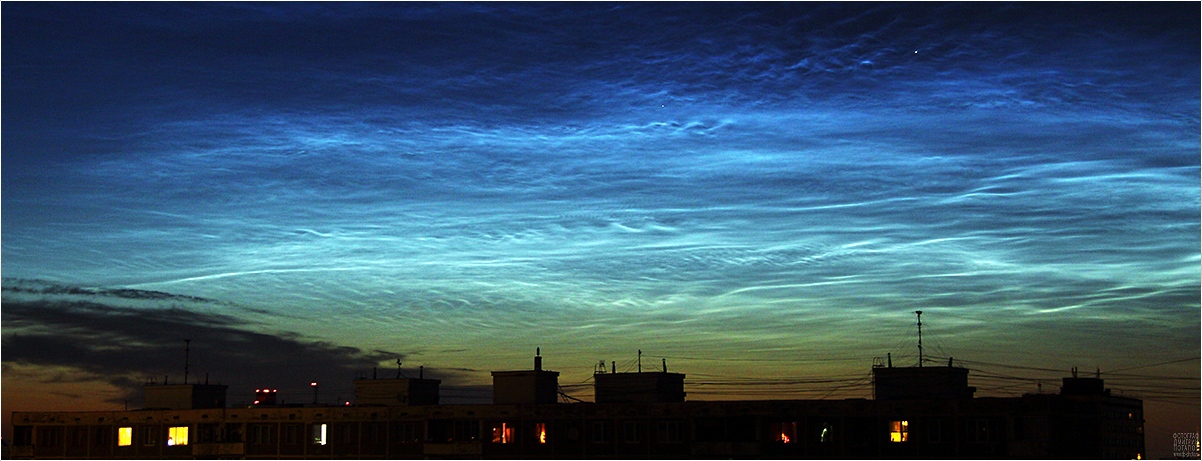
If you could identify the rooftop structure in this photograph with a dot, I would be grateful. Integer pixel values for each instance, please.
(537, 386)
(640, 387)
(184, 396)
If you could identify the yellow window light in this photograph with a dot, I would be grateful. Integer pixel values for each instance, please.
(125, 436)
(899, 431)
(177, 435)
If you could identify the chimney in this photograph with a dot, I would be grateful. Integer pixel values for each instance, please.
(538, 359)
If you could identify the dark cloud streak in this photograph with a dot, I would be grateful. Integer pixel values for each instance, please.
(121, 345)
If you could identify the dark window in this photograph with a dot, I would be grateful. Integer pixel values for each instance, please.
(860, 431)
(260, 434)
(630, 432)
(101, 435)
(346, 434)
(439, 430)
(232, 433)
(206, 433)
(668, 432)
(50, 436)
(1020, 428)
(980, 430)
(407, 432)
(934, 430)
(711, 430)
(373, 432)
(599, 432)
(22, 436)
(77, 436)
(466, 431)
(289, 437)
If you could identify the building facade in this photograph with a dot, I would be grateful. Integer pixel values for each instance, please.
(650, 419)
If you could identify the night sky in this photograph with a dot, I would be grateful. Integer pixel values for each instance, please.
(760, 193)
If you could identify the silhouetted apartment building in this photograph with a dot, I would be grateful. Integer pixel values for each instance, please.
(918, 412)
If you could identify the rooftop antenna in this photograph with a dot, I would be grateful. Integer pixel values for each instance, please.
(640, 360)
(665, 361)
(919, 338)
(421, 372)
(538, 359)
(398, 368)
(187, 352)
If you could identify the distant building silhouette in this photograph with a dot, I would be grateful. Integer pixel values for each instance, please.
(521, 387)
(917, 412)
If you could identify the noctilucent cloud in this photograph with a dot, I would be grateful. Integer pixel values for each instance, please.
(764, 190)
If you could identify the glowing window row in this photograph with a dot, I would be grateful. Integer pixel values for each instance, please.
(504, 433)
(177, 435)
(898, 432)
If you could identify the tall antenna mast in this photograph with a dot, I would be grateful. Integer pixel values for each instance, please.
(187, 353)
(919, 338)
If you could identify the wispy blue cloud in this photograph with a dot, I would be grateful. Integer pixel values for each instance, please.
(737, 176)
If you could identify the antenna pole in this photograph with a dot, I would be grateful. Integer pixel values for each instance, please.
(919, 338)
(187, 352)
(640, 360)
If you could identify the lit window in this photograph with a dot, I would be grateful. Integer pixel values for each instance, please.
(502, 434)
(540, 429)
(125, 436)
(177, 435)
(899, 431)
(784, 432)
(319, 434)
